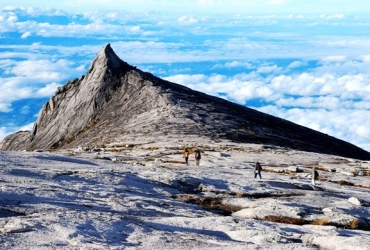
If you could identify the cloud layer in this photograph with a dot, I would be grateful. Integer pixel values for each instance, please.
(333, 100)
(309, 67)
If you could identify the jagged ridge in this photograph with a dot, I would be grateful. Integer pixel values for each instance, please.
(115, 101)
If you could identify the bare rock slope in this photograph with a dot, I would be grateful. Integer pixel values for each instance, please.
(116, 102)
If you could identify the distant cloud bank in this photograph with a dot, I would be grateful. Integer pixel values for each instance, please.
(288, 59)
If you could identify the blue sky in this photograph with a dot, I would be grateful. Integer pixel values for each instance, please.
(304, 61)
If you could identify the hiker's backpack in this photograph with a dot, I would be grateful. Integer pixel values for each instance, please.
(197, 154)
(316, 175)
(258, 167)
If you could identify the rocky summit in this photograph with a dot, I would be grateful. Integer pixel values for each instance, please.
(114, 103)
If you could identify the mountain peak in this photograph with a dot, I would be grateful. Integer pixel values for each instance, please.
(107, 47)
(107, 53)
(115, 102)
(105, 59)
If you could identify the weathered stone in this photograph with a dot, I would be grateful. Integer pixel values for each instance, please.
(354, 201)
(16, 141)
(51, 104)
(327, 210)
(347, 173)
(295, 169)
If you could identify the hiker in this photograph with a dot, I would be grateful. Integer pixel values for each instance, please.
(197, 156)
(257, 170)
(186, 156)
(315, 175)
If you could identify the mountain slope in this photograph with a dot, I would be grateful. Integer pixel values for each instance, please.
(115, 102)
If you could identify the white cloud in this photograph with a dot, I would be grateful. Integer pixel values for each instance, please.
(310, 89)
(12, 19)
(28, 127)
(269, 69)
(363, 131)
(187, 20)
(233, 64)
(313, 84)
(296, 64)
(238, 47)
(187, 79)
(30, 78)
(365, 58)
(4, 107)
(3, 133)
(343, 124)
(42, 70)
(237, 88)
(321, 102)
(135, 29)
(11, 89)
(26, 34)
(338, 58)
(335, 16)
(48, 90)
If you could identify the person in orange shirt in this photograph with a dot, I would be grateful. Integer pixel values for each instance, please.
(186, 156)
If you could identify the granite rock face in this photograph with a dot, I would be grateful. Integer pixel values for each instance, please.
(116, 102)
(16, 141)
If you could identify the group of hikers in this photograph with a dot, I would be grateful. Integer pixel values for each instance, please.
(257, 165)
(258, 169)
(197, 156)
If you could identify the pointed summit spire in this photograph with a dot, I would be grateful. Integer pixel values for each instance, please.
(107, 47)
(105, 59)
(108, 53)
(107, 56)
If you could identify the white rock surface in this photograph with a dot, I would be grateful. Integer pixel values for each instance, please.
(355, 201)
(62, 200)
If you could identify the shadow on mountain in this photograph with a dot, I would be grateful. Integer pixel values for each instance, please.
(115, 102)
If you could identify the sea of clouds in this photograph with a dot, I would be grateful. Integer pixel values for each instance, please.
(309, 68)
